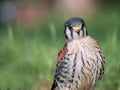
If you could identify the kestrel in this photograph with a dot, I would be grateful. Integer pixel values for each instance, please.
(80, 63)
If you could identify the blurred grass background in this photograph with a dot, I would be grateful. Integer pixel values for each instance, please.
(28, 54)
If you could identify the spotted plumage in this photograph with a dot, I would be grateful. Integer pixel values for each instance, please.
(80, 62)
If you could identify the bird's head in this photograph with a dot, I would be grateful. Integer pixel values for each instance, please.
(75, 29)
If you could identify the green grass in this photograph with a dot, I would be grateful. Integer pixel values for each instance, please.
(27, 58)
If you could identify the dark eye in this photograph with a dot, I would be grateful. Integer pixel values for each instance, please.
(70, 28)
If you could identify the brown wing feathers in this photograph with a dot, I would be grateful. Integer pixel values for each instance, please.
(61, 55)
(60, 58)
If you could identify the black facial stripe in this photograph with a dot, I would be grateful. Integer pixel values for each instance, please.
(86, 33)
(71, 33)
(83, 33)
(66, 36)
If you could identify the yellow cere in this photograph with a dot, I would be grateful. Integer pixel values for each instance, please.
(76, 28)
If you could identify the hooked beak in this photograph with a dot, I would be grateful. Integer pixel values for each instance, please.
(76, 28)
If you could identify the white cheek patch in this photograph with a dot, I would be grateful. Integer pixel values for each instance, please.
(85, 31)
(68, 33)
(81, 33)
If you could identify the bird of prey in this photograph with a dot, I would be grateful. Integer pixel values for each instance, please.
(80, 63)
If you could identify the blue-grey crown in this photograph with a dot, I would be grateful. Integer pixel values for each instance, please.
(74, 22)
